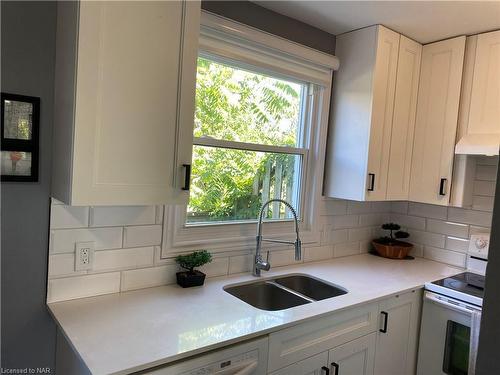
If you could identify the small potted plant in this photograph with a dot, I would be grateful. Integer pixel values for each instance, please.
(391, 246)
(189, 262)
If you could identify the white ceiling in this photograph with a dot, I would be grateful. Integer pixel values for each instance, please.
(423, 21)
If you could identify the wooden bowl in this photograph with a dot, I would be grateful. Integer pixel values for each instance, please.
(395, 250)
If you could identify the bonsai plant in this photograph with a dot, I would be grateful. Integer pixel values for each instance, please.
(189, 262)
(390, 246)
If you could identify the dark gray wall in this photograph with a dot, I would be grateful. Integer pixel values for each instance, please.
(27, 331)
(261, 18)
(488, 360)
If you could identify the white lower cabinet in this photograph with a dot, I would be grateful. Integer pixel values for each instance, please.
(373, 339)
(397, 338)
(356, 357)
(315, 365)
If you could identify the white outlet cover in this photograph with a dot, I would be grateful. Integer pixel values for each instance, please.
(84, 256)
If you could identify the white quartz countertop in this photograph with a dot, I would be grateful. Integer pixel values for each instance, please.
(126, 332)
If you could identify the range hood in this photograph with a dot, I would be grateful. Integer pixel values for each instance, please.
(478, 144)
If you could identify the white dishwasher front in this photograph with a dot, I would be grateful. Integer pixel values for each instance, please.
(249, 358)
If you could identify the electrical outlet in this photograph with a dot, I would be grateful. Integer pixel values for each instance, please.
(84, 256)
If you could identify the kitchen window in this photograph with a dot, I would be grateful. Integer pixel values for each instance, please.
(260, 130)
(249, 143)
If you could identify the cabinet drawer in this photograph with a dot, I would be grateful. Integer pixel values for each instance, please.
(305, 340)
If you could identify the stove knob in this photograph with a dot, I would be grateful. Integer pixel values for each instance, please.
(481, 243)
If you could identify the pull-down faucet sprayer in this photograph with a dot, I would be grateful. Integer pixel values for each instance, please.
(260, 263)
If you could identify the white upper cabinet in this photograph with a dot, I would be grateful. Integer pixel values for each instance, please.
(484, 113)
(436, 121)
(125, 90)
(374, 96)
(403, 120)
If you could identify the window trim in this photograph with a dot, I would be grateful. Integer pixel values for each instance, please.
(301, 64)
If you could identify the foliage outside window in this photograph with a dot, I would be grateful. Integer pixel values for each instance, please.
(248, 145)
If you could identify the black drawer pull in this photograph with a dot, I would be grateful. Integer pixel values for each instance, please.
(335, 367)
(442, 186)
(187, 177)
(326, 370)
(386, 320)
(372, 181)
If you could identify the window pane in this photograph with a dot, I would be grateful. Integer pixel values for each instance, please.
(18, 117)
(232, 184)
(237, 105)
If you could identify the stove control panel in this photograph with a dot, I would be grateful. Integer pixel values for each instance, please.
(478, 245)
(477, 255)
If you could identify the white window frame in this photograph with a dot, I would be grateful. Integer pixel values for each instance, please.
(278, 57)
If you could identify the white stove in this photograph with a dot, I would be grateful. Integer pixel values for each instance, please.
(451, 312)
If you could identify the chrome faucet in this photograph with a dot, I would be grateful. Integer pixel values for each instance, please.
(260, 263)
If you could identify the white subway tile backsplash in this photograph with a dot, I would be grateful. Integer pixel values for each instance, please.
(63, 217)
(457, 244)
(103, 216)
(399, 207)
(241, 263)
(64, 240)
(314, 254)
(283, 258)
(369, 220)
(427, 210)
(62, 265)
(345, 249)
(345, 221)
(83, 286)
(128, 240)
(217, 267)
(445, 256)
(332, 236)
(106, 260)
(381, 207)
(354, 207)
(149, 277)
(483, 203)
(479, 230)
(448, 228)
(333, 207)
(462, 215)
(417, 251)
(410, 222)
(144, 235)
(427, 238)
(484, 188)
(486, 172)
(360, 234)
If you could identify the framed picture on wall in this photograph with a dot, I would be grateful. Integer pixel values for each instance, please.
(19, 139)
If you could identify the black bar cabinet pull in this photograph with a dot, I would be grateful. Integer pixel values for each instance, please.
(386, 319)
(442, 186)
(335, 367)
(187, 176)
(326, 370)
(372, 181)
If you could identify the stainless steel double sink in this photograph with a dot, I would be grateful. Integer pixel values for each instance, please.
(284, 292)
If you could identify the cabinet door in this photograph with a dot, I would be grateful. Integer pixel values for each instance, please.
(293, 344)
(436, 121)
(384, 84)
(134, 101)
(354, 358)
(397, 339)
(403, 119)
(315, 365)
(484, 112)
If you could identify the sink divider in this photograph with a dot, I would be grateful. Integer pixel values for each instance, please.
(272, 282)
